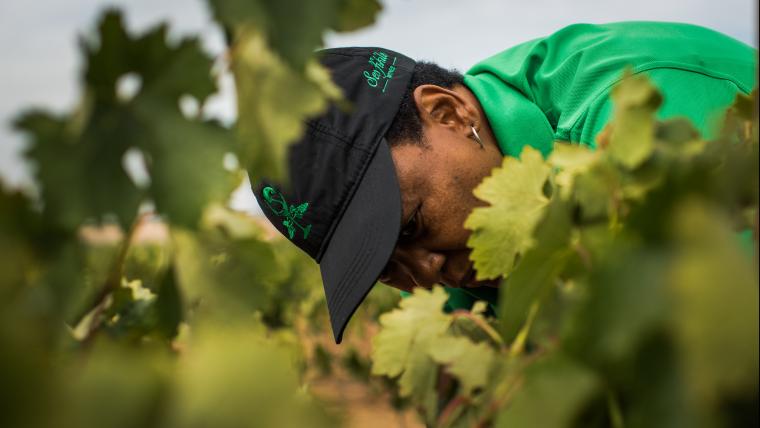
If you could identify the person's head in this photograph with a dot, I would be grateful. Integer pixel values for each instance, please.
(438, 164)
(399, 150)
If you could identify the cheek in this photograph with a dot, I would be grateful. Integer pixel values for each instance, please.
(454, 203)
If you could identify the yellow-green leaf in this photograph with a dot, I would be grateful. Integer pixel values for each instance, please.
(504, 230)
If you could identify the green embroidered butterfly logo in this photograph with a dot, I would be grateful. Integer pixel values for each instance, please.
(291, 213)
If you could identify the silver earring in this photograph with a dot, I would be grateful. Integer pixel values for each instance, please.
(476, 136)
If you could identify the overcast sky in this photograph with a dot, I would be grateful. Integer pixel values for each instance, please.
(40, 60)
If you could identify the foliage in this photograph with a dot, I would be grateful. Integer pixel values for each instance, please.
(629, 293)
(629, 296)
(202, 324)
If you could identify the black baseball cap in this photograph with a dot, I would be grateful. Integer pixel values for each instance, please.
(342, 203)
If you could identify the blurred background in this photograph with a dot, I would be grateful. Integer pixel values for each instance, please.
(41, 60)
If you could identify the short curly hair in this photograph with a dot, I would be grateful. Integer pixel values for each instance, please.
(407, 124)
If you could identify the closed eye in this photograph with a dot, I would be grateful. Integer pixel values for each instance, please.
(410, 230)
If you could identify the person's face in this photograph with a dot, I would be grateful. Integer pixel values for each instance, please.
(436, 181)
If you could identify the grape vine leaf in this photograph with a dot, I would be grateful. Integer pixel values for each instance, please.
(355, 14)
(236, 376)
(279, 83)
(273, 101)
(470, 362)
(165, 71)
(583, 177)
(636, 101)
(419, 315)
(140, 377)
(554, 392)
(224, 277)
(626, 303)
(80, 175)
(596, 191)
(504, 230)
(401, 346)
(715, 315)
(537, 270)
(80, 156)
(571, 160)
(314, 17)
(176, 148)
(169, 308)
(186, 162)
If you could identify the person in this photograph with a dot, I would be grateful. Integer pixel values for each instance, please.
(382, 190)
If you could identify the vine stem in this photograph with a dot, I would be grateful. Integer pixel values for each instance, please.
(613, 406)
(112, 282)
(480, 322)
(518, 345)
(448, 411)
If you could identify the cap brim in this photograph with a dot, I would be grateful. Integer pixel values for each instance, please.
(363, 241)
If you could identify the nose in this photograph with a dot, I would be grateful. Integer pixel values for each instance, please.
(411, 267)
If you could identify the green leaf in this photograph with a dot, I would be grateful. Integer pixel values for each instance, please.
(165, 72)
(116, 383)
(80, 172)
(555, 391)
(235, 377)
(715, 310)
(401, 347)
(469, 362)
(270, 17)
(597, 191)
(420, 315)
(678, 137)
(636, 101)
(279, 84)
(169, 310)
(537, 271)
(571, 160)
(186, 162)
(80, 156)
(273, 101)
(625, 305)
(504, 230)
(313, 18)
(225, 278)
(355, 14)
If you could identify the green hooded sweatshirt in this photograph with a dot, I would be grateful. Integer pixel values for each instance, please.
(558, 87)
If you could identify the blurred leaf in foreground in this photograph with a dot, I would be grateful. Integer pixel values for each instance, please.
(278, 81)
(636, 101)
(133, 88)
(715, 311)
(554, 393)
(232, 377)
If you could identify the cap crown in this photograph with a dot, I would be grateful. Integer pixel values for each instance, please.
(327, 164)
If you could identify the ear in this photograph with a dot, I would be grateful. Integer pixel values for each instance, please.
(441, 106)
